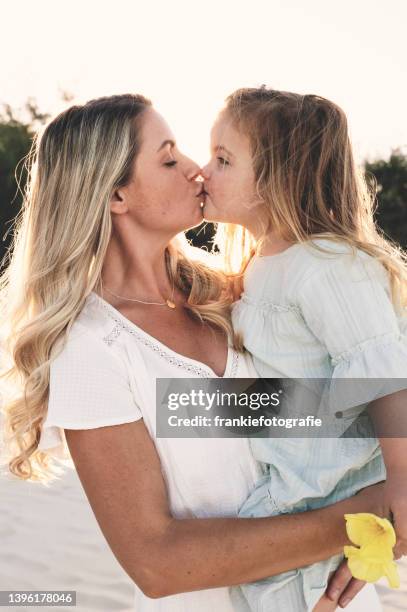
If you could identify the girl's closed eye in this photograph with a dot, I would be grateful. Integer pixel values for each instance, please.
(171, 163)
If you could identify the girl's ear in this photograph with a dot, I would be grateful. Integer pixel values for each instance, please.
(118, 202)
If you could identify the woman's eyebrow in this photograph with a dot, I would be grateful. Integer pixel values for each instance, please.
(165, 143)
(222, 148)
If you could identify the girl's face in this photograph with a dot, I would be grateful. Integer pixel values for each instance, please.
(229, 179)
(162, 195)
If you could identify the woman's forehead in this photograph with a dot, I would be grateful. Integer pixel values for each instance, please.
(155, 132)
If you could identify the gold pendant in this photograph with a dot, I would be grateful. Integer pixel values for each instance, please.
(170, 304)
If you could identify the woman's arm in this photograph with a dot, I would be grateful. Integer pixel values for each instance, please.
(121, 474)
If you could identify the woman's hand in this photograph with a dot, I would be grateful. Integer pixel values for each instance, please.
(342, 587)
(373, 497)
(395, 498)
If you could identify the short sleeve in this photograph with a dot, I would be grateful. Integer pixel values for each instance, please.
(347, 306)
(89, 387)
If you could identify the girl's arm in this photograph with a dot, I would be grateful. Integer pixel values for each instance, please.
(389, 415)
(121, 474)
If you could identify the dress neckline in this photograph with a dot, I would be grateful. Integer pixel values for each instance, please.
(231, 354)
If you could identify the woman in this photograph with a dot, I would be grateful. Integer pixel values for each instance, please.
(282, 168)
(99, 299)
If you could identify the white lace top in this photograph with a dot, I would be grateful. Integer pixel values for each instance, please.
(106, 375)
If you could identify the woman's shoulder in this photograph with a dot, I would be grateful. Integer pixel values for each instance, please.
(89, 382)
(93, 316)
(92, 329)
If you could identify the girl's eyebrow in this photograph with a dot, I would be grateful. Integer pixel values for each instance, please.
(222, 148)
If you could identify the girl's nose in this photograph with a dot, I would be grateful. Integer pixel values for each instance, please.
(205, 172)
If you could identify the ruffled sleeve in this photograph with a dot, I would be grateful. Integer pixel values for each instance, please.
(346, 304)
(89, 388)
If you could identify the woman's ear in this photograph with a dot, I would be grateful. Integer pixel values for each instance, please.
(118, 202)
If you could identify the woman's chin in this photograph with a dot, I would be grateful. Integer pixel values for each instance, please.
(196, 212)
(212, 216)
(195, 219)
(209, 211)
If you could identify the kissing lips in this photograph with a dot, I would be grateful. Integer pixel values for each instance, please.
(202, 195)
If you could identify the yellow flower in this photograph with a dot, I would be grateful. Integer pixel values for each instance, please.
(364, 528)
(374, 558)
(371, 563)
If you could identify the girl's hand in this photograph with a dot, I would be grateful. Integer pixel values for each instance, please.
(342, 588)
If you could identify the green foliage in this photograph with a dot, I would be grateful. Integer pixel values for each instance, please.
(15, 141)
(202, 236)
(16, 137)
(391, 180)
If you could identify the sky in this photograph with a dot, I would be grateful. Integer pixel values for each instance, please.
(187, 56)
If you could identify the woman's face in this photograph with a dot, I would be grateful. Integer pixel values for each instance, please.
(162, 195)
(229, 176)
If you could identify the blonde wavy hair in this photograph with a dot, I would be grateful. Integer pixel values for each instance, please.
(59, 245)
(307, 180)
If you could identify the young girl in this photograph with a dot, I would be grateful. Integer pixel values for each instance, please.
(324, 297)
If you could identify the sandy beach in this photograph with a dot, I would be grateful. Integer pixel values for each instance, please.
(50, 540)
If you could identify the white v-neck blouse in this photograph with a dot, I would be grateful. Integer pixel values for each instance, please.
(106, 375)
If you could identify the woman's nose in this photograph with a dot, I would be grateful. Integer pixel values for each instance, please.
(193, 171)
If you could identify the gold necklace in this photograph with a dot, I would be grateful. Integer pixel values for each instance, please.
(169, 302)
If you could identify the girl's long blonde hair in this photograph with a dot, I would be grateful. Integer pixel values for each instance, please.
(60, 241)
(307, 180)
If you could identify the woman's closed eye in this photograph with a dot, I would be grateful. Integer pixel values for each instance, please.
(222, 161)
(170, 163)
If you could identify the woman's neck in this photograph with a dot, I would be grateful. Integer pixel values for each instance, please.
(132, 270)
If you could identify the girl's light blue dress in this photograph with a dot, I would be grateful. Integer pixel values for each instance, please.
(308, 314)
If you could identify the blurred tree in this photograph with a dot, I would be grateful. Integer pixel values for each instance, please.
(202, 236)
(390, 177)
(15, 142)
(16, 136)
